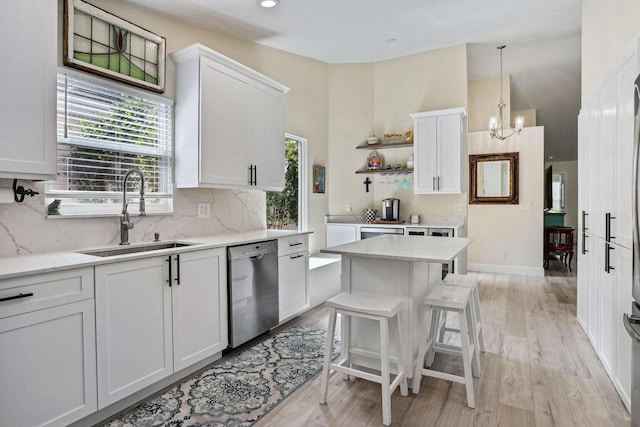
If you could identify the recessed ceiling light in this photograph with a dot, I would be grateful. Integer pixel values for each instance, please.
(268, 3)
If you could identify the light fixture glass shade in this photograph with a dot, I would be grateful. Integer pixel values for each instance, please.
(268, 3)
(493, 123)
(519, 122)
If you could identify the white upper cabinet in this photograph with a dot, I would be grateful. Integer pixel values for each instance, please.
(440, 150)
(229, 123)
(28, 75)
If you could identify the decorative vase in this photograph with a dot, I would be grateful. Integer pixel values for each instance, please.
(370, 215)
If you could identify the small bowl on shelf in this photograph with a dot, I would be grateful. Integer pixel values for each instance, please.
(373, 140)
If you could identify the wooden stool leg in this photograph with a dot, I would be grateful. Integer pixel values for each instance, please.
(400, 358)
(422, 350)
(328, 352)
(384, 371)
(478, 317)
(345, 346)
(466, 359)
(473, 325)
(433, 329)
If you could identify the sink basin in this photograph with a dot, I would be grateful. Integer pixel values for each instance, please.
(123, 250)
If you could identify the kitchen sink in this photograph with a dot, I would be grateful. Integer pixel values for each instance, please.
(123, 250)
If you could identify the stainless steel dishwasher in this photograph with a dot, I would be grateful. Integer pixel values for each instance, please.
(253, 290)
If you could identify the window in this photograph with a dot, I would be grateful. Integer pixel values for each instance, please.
(288, 209)
(105, 129)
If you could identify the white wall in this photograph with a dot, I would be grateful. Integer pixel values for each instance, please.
(376, 99)
(24, 228)
(607, 29)
(509, 229)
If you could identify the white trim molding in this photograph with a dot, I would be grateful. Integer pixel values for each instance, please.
(506, 269)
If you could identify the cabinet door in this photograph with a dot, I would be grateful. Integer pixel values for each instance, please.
(293, 284)
(448, 154)
(133, 326)
(266, 136)
(595, 247)
(29, 55)
(48, 372)
(582, 279)
(621, 226)
(606, 147)
(339, 234)
(425, 155)
(199, 306)
(223, 126)
(595, 221)
(583, 166)
(607, 308)
(624, 278)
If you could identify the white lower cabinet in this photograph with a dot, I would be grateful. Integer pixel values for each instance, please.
(339, 234)
(199, 306)
(133, 326)
(623, 264)
(47, 349)
(293, 289)
(155, 316)
(293, 276)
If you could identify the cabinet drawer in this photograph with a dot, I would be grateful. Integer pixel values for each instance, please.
(289, 245)
(47, 290)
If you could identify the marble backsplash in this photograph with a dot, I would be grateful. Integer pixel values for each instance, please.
(25, 228)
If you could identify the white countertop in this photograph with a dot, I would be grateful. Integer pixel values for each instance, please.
(28, 264)
(404, 248)
(455, 223)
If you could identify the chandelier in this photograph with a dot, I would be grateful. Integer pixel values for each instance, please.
(496, 124)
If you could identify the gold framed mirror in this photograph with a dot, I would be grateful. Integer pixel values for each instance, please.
(493, 178)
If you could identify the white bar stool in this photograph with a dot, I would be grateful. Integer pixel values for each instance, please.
(470, 282)
(372, 307)
(457, 299)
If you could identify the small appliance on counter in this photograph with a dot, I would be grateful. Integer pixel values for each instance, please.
(391, 209)
(415, 219)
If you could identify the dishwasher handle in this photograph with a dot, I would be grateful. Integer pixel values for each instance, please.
(257, 257)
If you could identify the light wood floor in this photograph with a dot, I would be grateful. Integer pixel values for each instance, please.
(538, 369)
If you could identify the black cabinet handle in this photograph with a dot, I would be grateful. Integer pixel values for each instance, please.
(295, 244)
(30, 294)
(584, 243)
(170, 275)
(584, 220)
(250, 174)
(178, 268)
(296, 256)
(607, 258)
(607, 226)
(255, 174)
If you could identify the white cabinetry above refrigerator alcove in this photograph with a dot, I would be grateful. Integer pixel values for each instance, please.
(229, 123)
(440, 151)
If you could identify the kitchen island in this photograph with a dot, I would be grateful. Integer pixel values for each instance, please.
(400, 266)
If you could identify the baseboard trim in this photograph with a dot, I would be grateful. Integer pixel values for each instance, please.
(506, 269)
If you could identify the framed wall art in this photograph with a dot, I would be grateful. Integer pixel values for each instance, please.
(318, 179)
(104, 44)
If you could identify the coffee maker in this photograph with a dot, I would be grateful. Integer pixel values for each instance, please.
(391, 209)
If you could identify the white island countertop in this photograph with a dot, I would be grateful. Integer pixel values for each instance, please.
(404, 248)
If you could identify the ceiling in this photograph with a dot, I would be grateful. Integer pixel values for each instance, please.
(544, 60)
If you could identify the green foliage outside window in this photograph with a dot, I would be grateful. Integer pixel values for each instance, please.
(282, 207)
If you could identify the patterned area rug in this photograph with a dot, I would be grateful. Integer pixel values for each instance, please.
(240, 390)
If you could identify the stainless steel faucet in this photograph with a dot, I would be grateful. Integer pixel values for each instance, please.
(125, 222)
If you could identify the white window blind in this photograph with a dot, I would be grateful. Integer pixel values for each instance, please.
(103, 131)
